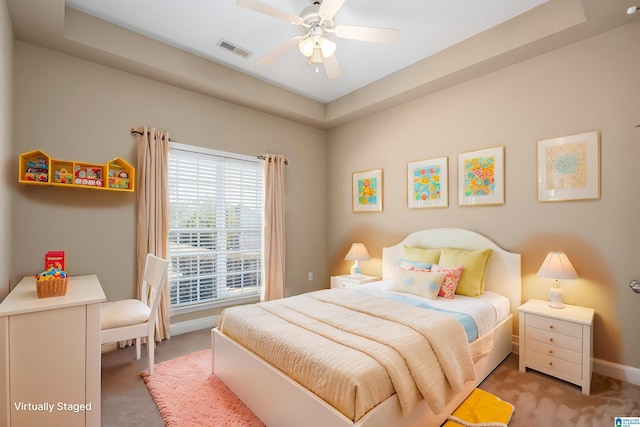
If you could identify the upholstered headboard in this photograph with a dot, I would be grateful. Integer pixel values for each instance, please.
(503, 271)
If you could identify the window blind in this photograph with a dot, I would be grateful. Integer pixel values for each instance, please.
(215, 227)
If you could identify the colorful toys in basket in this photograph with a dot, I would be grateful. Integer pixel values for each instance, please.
(51, 273)
(52, 282)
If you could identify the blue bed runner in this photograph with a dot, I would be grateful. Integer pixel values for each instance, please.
(465, 320)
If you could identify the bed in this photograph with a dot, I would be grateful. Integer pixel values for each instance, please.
(278, 400)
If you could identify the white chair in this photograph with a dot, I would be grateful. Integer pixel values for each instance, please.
(133, 318)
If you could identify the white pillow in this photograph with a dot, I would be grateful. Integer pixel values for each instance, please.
(422, 283)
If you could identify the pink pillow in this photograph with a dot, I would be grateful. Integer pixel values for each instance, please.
(451, 279)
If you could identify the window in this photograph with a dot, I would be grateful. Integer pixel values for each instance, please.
(215, 227)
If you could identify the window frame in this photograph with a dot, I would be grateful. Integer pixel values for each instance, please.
(243, 298)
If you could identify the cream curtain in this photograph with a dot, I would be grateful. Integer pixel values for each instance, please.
(153, 211)
(274, 235)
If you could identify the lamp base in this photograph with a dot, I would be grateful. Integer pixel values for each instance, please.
(355, 269)
(555, 297)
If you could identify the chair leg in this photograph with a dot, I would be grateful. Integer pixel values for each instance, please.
(138, 344)
(150, 347)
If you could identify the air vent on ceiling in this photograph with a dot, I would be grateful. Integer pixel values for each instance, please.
(225, 44)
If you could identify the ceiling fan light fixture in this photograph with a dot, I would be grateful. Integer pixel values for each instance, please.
(307, 46)
(327, 47)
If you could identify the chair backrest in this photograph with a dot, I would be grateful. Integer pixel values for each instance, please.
(153, 279)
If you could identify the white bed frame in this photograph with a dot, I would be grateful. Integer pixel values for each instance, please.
(279, 401)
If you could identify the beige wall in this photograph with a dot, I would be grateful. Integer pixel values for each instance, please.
(6, 160)
(591, 85)
(77, 110)
(74, 109)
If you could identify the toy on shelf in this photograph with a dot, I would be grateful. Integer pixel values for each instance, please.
(90, 175)
(37, 169)
(62, 176)
(118, 179)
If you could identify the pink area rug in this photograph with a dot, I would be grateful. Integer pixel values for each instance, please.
(187, 394)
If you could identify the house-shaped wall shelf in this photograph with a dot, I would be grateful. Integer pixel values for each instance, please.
(38, 168)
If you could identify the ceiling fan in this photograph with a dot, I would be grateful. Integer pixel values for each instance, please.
(316, 22)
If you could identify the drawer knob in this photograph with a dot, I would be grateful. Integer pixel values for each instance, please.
(550, 326)
(550, 351)
(550, 363)
(550, 339)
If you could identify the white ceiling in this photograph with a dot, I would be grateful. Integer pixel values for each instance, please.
(426, 27)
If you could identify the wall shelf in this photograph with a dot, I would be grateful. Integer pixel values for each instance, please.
(38, 168)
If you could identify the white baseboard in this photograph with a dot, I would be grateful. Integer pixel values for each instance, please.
(617, 371)
(602, 367)
(194, 325)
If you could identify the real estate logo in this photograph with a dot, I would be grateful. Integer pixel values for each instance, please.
(627, 421)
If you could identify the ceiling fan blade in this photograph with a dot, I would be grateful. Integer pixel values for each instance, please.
(332, 67)
(367, 34)
(257, 6)
(277, 53)
(329, 8)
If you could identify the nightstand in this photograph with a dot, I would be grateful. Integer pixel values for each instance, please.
(347, 281)
(557, 341)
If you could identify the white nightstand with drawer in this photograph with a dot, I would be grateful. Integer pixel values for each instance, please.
(347, 281)
(557, 341)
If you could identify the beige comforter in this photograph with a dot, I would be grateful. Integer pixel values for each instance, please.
(354, 351)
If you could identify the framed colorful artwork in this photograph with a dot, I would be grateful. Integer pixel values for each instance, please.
(427, 183)
(481, 177)
(367, 191)
(569, 168)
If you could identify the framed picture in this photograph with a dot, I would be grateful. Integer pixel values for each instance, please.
(427, 183)
(367, 191)
(569, 168)
(481, 177)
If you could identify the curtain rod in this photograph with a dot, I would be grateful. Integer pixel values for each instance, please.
(135, 131)
(286, 161)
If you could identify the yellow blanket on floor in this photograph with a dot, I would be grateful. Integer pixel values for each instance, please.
(481, 408)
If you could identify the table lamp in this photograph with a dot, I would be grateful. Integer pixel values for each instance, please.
(356, 253)
(557, 266)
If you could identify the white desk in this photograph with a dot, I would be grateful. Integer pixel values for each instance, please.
(50, 355)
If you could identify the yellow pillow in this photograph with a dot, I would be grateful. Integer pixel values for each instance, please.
(420, 254)
(475, 263)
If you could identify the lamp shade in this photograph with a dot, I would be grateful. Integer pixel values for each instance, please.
(557, 266)
(358, 252)
(306, 46)
(327, 47)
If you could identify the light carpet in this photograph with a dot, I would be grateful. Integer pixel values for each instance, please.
(187, 394)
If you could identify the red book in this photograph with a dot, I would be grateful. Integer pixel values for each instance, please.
(54, 259)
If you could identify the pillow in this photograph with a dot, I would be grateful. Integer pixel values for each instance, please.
(420, 254)
(422, 283)
(408, 264)
(114, 314)
(451, 279)
(475, 263)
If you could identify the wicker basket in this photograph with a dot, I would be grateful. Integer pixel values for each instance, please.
(51, 288)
